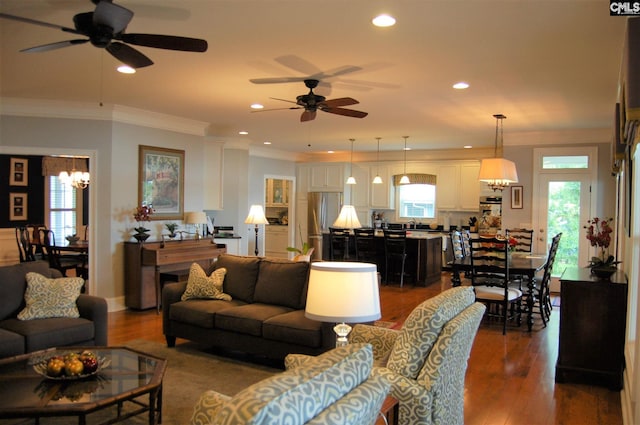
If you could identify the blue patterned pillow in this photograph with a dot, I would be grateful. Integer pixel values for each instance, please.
(47, 298)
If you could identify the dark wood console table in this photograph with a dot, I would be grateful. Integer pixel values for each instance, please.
(144, 262)
(593, 314)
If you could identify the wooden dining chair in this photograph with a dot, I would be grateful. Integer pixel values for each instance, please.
(523, 237)
(365, 245)
(57, 261)
(339, 244)
(25, 249)
(490, 280)
(542, 294)
(395, 253)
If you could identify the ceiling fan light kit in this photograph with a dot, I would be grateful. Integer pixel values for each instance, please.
(498, 172)
(104, 26)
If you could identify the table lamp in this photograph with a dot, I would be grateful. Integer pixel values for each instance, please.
(347, 219)
(256, 216)
(341, 292)
(196, 218)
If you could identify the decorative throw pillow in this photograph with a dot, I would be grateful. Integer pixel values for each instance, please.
(47, 298)
(200, 285)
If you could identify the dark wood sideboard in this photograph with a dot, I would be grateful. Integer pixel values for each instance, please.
(593, 314)
(144, 262)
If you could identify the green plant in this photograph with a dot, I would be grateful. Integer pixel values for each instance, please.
(305, 245)
(171, 227)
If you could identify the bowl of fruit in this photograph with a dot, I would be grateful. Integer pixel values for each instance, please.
(71, 365)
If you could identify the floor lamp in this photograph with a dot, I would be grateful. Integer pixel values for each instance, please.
(256, 216)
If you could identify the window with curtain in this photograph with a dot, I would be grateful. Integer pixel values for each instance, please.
(64, 208)
(416, 200)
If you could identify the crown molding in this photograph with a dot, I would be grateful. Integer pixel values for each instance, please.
(46, 108)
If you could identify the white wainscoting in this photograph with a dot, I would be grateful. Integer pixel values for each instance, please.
(8, 248)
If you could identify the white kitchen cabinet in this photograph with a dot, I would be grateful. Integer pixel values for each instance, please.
(358, 194)
(213, 173)
(458, 188)
(469, 197)
(382, 195)
(327, 178)
(302, 183)
(447, 187)
(276, 241)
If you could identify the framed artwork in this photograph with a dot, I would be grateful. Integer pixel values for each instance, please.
(19, 172)
(17, 206)
(161, 181)
(516, 197)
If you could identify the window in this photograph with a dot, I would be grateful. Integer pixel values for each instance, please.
(416, 201)
(550, 162)
(64, 207)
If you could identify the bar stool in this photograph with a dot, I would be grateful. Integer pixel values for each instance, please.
(365, 245)
(339, 244)
(395, 252)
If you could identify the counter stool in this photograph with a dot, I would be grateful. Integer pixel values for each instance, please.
(365, 245)
(339, 244)
(395, 253)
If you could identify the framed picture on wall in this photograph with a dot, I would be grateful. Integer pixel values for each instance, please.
(19, 172)
(17, 206)
(161, 181)
(516, 197)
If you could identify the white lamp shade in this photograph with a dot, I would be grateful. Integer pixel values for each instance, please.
(405, 180)
(377, 180)
(498, 171)
(347, 219)
(196, 217)
(256, 215)
(343, 292)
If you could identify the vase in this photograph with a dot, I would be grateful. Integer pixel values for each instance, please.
(141, 237)
(603, 272)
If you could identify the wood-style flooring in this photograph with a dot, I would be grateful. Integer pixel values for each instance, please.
(510, 378)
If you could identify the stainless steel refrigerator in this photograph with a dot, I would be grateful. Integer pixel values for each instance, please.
(323, 210)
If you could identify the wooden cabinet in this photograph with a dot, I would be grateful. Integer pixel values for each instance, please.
(382, 195)
(359, 192)
(326, 178)
(592, 328)
(277, 194)
(276, 241)
(458, 188)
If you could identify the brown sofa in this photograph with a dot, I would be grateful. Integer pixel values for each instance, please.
(264, 317)
(24, 336)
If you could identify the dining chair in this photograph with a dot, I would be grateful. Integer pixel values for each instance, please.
(25, 249)
(542, 294)
(339, 244)
(365, 245)
(490, 280)
(524, 238)
(57, 261)
(395, 253)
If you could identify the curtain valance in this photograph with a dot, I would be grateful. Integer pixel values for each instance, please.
(54, 165)
(416, 178)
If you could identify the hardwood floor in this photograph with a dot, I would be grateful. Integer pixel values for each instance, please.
(510, 379)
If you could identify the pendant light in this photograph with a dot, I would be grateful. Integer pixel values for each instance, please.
(351, 179)
(498, 172)
(377, 179)
(405, 178)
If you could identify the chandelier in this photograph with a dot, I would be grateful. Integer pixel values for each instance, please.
(77, 179)
(498, 172)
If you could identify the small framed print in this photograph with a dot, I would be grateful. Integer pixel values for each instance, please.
(516, 197)
(17, 206)
(19, 172)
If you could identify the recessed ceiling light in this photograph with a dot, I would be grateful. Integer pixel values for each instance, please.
(461, 85)
(266, 143)
(467, 146)
(406, 149)
(330, 151)
(126, 69)
(244, 133)
(384, 20)
(257, 106)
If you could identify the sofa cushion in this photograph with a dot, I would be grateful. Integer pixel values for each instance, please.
(247, 319)
(11, 344)
(201, 286)
(422, 327)
(242, 274)
(298, 395)
(282, 282)
(294, 328)
(200, 312)
(13, 284)
(47, 298)
(45, 333)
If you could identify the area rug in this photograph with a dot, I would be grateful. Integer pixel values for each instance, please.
(190, 372)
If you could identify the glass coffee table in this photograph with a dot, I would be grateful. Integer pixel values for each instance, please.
(131, 374)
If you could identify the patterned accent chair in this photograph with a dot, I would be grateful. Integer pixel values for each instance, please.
(426, 360)
(334, 388)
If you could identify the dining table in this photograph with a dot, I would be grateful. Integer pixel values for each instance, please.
(520, 263)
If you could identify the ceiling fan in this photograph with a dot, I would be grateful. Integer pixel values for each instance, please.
(105, 28)
(311, 102)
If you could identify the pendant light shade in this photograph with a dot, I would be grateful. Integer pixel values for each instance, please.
(405, 178)
(351, 179)
(377, 179)
(498, 172)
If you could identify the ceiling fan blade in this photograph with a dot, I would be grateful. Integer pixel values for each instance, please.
(276, 80)
(298, 64)
(53, 46)
(308, 116)
(128, 55)
(342, 101)
(169, 42)
(347, 69)
(276, 109)
(34, 22)
(112, 15)
(346, 112)
(283, 100)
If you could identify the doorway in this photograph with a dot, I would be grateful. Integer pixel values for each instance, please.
(280, 212)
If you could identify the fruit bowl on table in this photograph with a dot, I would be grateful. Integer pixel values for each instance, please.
(70, 365)
(72, 239)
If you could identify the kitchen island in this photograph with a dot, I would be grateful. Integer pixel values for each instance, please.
(424, 254)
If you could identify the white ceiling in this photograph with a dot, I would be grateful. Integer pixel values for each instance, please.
(550, 66)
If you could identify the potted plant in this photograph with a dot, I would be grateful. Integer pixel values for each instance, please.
(304, 253)
(599, 235)
(473, 224)
(171, 227)
(142, 214)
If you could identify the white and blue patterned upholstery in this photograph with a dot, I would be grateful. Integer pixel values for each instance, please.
(335, 387)
(427, 358)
